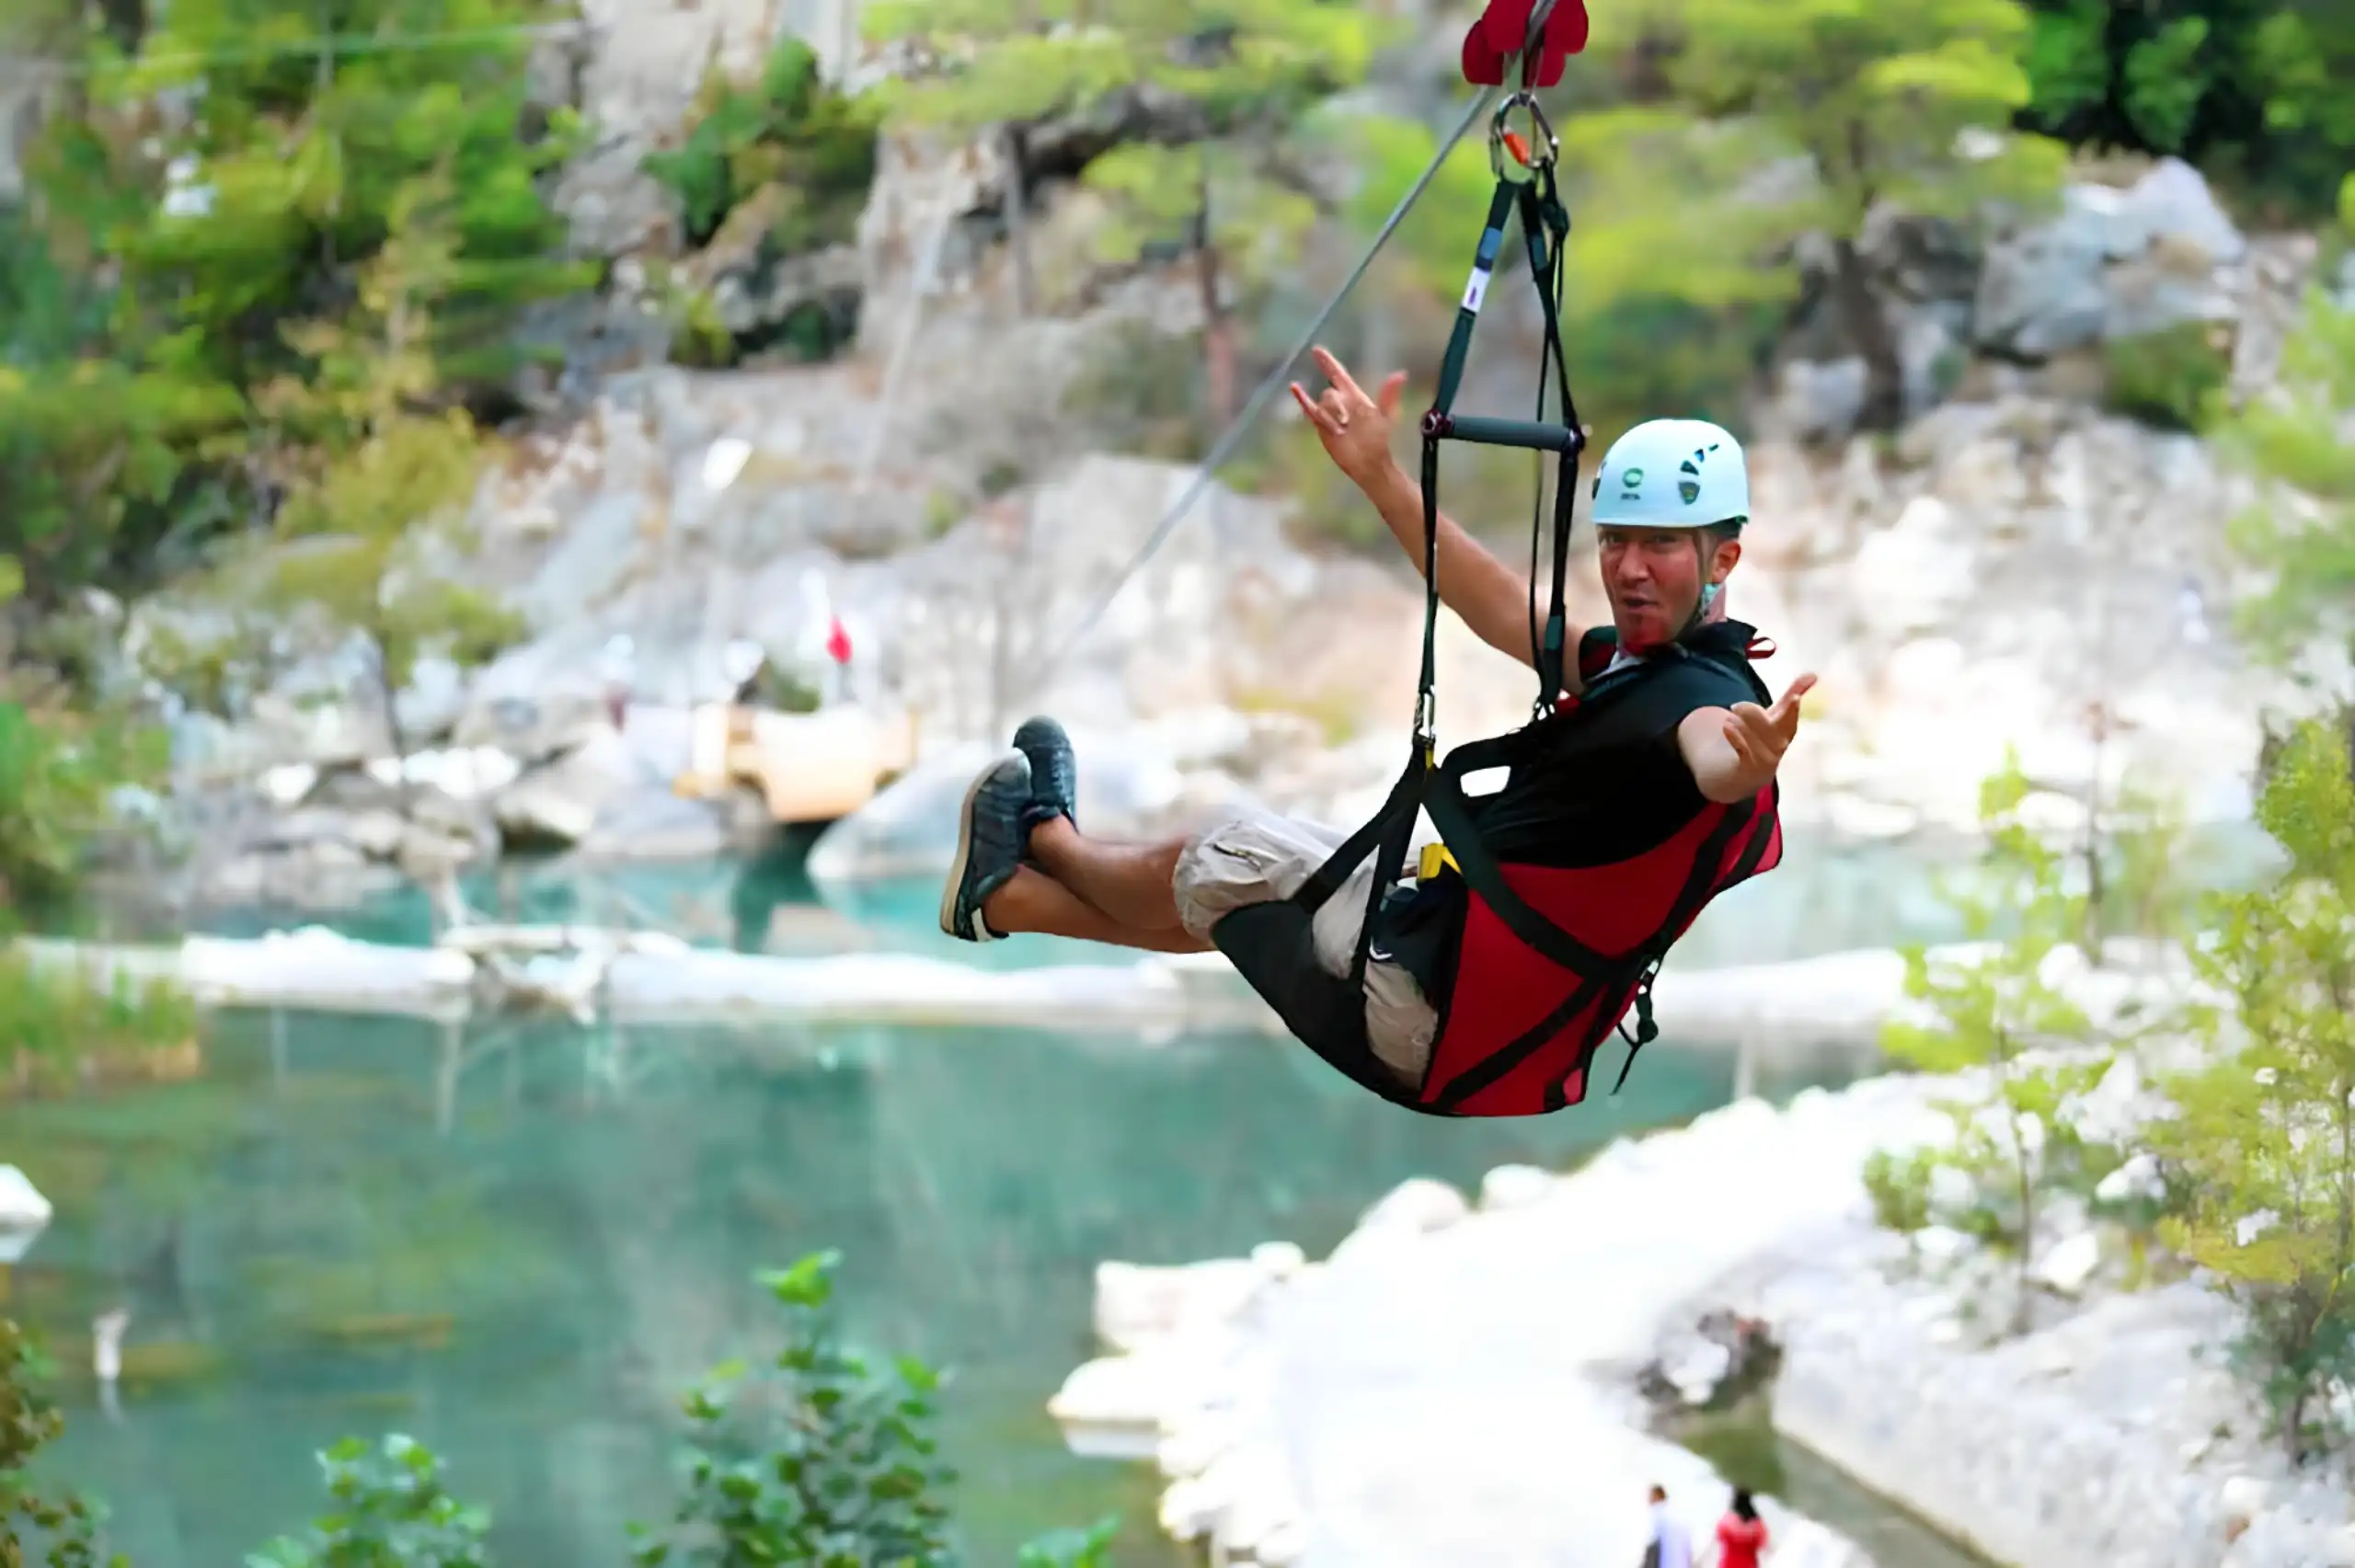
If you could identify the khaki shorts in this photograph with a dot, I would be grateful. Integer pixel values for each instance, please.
(1261, 857)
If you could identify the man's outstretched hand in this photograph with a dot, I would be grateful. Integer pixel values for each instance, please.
(1759, 737)
(1354, 427)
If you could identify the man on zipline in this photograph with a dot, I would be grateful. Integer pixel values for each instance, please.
(1670, 502)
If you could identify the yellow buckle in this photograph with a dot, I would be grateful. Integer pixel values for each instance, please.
(1435, 859)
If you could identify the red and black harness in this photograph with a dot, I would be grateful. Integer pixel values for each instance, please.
(1547, 960)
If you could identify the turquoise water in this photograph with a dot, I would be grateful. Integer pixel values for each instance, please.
(520, 1245)
(590, 1245)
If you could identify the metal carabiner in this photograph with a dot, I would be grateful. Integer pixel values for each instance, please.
(1527, 157)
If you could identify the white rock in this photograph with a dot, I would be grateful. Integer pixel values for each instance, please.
(22, 1206)
(1700, 1370)
(1952, 1190)
(2070, 1265)
(1279, 1260)
(1941, 1243)
(1416, 1204)
(724, 460)
(1515, 1186)
(2244, 1496)
(2138, 1177)
(1137, 1305)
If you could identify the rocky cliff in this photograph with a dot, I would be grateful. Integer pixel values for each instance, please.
(2016, 556)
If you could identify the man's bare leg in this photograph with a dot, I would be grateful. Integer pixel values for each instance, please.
(1038, 904)
(1133, 886)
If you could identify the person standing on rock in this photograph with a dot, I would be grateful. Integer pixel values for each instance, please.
(1671, 1543)
(1741, 1534)
(1689, 763)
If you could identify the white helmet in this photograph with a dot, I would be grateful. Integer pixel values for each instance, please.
(1672, 474)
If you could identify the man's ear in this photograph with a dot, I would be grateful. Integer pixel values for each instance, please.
(1723, 560)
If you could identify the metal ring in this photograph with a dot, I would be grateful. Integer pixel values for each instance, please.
(1545, 146)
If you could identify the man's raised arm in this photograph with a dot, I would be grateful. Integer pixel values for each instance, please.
(1491, 598)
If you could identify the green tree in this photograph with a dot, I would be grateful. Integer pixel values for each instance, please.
(59, 770)
(373, 538)
(1904, 104)
(146, 281)
(1997, 1015)
(2244, 87)
(2301, 530)
(288, 181)
(1231, 193)
(2265, 1137)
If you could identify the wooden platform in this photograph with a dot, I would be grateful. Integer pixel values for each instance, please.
(813, 767)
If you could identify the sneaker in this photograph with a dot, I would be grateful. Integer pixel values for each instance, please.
(989, 838)
(1054, 771)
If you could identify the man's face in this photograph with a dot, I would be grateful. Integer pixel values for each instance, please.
(1654, 578)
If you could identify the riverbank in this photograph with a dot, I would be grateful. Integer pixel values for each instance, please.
(1423, 1395)
(1839, 1002)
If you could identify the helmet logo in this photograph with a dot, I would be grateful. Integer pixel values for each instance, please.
(1690, 487)
(1631, 484)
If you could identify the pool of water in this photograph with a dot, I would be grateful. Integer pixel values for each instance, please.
(1743, 1446)
(521, 1244)
(314, 1241)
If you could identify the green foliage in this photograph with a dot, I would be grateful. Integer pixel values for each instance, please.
(1641, 342)
(2143, 888)
(1233, 193)
(1998, 1016)
(390, 1510)
(307, 160)
(1899, 1187)
(2173, 378)
(2244, 87)
(145, 283)
(2265, 1137)
(1090, 1548)
(2302, 528)
(789, 130)
(1883, 102)
(1246, 63)
(371, 538)
(820, 1459)
(698, 337)
(59, 1027)
(28, 1423)
(58, 772)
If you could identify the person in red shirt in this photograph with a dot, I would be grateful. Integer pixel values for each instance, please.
(1741, 1534)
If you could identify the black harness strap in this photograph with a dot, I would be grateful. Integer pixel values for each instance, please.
(1545, 224)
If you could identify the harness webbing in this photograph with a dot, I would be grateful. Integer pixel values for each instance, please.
(1545, 227)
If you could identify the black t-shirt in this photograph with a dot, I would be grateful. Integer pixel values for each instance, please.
(1585, 807)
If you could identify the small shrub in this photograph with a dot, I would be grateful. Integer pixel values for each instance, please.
(2170, 378)
(58, 1029)
(390, 1510)
(820, 1458)
(63, 1526)
(789, 128)
(1899, 1187)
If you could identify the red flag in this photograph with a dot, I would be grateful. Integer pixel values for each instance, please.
(837, 640)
